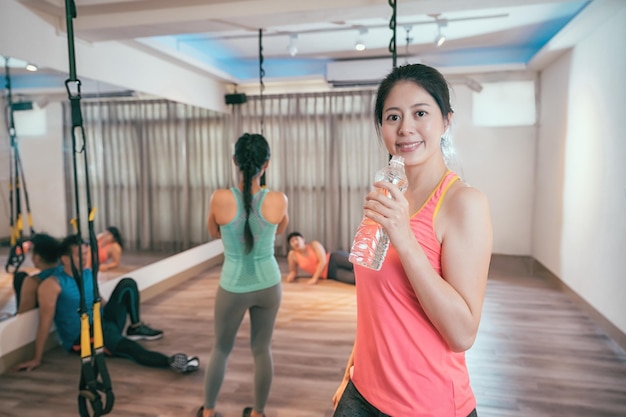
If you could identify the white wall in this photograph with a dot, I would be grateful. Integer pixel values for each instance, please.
(580, 210)
(43, 174)
(42, 159)
(499, 162)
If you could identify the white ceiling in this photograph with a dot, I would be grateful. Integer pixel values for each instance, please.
(221, 37)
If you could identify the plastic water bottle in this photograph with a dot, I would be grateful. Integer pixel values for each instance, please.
(371, 241)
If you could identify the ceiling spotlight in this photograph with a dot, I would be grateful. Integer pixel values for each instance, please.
(360, 43)
(31, 67)
(292, 48)
(440, 38)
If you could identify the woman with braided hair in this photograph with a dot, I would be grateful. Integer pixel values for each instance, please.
(247, 218)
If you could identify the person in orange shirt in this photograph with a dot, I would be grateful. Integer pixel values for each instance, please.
(110, 246)
(313, 259)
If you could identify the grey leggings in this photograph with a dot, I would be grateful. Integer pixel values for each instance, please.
(230, 309)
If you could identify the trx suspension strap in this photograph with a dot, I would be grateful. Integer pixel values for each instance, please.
(16, 180)
(94, 377)
(262, 88)
(392, 26)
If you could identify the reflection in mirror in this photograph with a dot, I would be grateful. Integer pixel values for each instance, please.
(38, 128)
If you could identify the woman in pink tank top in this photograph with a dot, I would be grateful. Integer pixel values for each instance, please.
(110, 248)
(313, 259)
(418, 315)
(309, 257)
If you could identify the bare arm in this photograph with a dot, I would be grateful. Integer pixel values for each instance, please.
(48, 293)
(28, 298)
(320, 253)
(282, 226)
(293, 266)
(219, 208)
(346, 378)
(453, 300)
(274, 210)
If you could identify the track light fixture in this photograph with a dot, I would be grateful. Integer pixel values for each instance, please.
(292, 48)
(360, 42)
(18, 63)
(440, 22)
(440, 38)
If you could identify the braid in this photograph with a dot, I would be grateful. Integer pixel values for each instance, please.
(247, 204)
(251, 153)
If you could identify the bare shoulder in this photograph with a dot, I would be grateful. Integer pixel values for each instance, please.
(276, 197)
(317, 245)
(462, 196)
(222, 194)
(49, 286)
(222, 199)
(274, 207)
(463, 205)
(275, 201)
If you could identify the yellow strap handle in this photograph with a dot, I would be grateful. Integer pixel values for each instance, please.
(98, 340)
(19, 225)
(85, 343)
(14, 236)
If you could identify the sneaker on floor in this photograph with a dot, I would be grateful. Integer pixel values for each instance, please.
(184, 364)
(201, 409)
(247, 412)
(143, 332)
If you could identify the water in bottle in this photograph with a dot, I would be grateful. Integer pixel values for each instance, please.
(371, 242)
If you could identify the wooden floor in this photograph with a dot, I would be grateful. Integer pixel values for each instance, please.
(537, 355)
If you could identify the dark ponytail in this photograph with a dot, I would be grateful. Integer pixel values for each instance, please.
(117, 236)
(251, 153)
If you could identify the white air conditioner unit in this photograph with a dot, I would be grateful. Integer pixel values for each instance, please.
(370, 72)
(358, 71)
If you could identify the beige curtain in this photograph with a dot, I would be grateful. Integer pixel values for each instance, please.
(152, 167)
(154, 164)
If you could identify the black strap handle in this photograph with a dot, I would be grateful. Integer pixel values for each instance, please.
(94, 373)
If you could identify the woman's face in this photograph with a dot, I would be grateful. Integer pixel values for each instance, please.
(106, 237)
(412, 123)
(296, 242)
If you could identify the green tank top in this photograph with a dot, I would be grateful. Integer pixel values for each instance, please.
(258, 269)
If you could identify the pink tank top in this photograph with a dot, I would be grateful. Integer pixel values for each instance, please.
(402, 365)
(103, 253)
(308, 262)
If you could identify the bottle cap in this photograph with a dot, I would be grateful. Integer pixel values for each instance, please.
(398, 158)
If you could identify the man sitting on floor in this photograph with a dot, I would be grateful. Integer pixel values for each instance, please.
(45, 257)
(59, 300)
